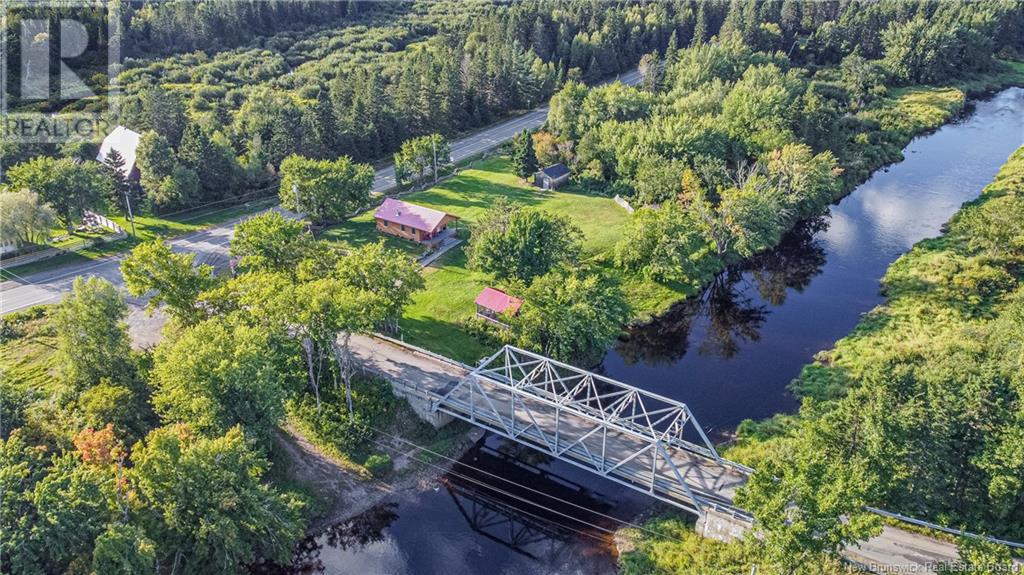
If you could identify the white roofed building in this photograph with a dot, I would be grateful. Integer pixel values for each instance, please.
(126, 142)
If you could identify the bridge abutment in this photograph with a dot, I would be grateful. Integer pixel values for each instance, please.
(420, 402)
(722, 526)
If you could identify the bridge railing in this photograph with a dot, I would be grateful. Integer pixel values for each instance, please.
(514, 390)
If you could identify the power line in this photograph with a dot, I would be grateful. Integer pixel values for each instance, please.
(512, 495)
(527, 488)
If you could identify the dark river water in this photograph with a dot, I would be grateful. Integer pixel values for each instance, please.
(729, 356)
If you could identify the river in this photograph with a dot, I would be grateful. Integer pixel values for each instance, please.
(729, 355)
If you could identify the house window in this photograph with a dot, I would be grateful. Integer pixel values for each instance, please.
(386, 223)
(403, 227)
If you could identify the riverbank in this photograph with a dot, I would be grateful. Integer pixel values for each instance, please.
(437, 317)
(346, 491)
(927, 367)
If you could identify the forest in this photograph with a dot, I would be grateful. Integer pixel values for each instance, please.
(751, 117)
(217, 122)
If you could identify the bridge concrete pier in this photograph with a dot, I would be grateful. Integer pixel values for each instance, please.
(721, 526)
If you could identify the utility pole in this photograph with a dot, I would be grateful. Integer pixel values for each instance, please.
(433, 142)
(295, 190)
(131, 218)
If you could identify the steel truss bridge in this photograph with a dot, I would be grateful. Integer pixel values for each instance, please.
(639, 439)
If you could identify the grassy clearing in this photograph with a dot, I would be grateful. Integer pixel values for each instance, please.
(472, 193)
(434, 319)
(912, 110)
(27, 350)
(917, 109)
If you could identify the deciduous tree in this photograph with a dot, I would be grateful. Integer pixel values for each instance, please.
(25, 221)
(69, 187)
(391, 275)
(418, 156)
(271, 242)
(215, 376)
(571, 316)
(92, 337)
(516, 243)
(173, 278)
(210, 503)
(326, 191)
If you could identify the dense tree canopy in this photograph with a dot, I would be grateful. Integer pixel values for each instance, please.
(325, 191)
(183, 481)
(271, 242)
(215, 376)
(67, 186)
(571, 315)
(513, 242)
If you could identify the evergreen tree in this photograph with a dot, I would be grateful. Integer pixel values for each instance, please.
(196, 154)
(524, 159)
(669, 61)
(324, 129)
(164, 114)
(700, 29)
(120, 188)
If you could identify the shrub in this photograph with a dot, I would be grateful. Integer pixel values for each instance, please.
(333, 429)
(378, 464)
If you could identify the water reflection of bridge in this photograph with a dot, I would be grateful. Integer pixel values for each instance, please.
(504, 512)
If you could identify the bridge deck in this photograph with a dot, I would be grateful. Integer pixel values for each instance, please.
(666, 470)
(624, 456)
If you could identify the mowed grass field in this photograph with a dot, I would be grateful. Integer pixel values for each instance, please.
(434, 319)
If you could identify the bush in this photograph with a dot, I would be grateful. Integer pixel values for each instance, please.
(332, 428)
(378, 464)
(12, 325)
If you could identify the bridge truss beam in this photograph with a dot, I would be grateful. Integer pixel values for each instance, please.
(620, 432)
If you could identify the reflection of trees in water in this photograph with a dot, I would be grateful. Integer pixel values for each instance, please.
(791, 265)
(732, 317)
(359, 531)
(734, 306)
(363, 529)
(522, 453)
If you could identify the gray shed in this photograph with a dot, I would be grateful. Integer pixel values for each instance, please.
(551, 177)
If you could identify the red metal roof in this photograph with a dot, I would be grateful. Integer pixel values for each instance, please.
(498, 301)
(406, 214)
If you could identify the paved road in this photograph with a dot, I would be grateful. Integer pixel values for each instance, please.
(492, 137)
(212, 245)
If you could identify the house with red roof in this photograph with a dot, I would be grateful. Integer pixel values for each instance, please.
(494, 305)
(411, 222)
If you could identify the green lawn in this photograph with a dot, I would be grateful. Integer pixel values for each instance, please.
(27, 351)
(434, 318)
(472, 192)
